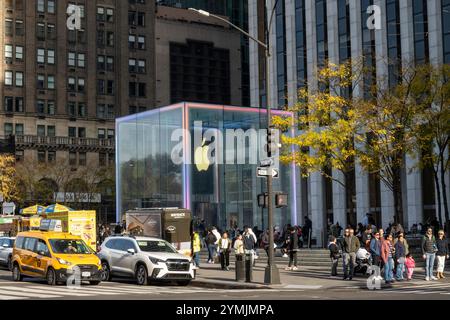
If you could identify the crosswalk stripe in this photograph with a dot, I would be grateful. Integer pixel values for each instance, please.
(3, 297)
(45, 291)
(25, 294)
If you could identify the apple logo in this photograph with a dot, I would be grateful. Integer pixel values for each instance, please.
(201, 157)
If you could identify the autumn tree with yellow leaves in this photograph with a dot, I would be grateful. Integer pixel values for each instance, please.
(8, 182)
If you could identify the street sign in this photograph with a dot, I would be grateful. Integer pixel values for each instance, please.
(267, 171)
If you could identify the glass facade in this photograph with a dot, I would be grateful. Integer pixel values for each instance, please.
(300, 36)
(222, 194)
(420, 19)
(281, 53)
(393, 41)
(368, 48)
(345, 49)
(446, 29)
(321, 30)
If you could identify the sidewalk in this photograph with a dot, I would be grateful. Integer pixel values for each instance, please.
(306, 278)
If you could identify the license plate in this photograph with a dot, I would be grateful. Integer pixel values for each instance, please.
(85, 274)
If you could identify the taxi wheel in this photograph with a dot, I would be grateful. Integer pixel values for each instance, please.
(16, 275)
(141, 275)
(51, 277)
(106, 273)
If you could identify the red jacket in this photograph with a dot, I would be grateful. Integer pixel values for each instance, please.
(385, 250)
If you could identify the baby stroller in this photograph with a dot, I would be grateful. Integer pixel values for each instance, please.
(363, 261)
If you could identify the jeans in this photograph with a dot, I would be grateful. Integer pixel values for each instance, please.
(389, 270)
(197, 258)
(429, 264)
(211, 252)
(399, 272)
(349, 260)
(292, 258)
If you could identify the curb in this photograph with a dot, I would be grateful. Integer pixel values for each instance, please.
(217, 284)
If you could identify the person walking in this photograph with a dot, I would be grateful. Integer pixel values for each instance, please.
(224, 250)
(387, 255)
(335, 255)
(375, 249)
(307, 230)
(249, 239)
(429, 250)
(351, 245)
(292, 247)
(400, 256)
(210, 241)
(441, 254)
(410, 264)
(196, 246)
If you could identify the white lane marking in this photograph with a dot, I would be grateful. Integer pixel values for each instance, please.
(295, 286)
(3, 297)
(64, 291)
(7, 292)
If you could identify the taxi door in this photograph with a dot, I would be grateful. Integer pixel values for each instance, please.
(43, 257)
(27, 256)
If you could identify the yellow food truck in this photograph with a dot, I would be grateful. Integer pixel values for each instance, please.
(79, 223)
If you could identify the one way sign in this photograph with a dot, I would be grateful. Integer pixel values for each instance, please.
(267, 171)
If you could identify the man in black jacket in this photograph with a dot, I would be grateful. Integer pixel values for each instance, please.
(292, 247)
(334, 255)
(350, 247)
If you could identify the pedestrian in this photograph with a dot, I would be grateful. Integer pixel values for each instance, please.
(292, 247)
(442, 253)
(265, 241)
(429, 250)
(400, 255)
(249, 239)
(210, 241)
(239, 247)
(351, 246)
(224, 250)
(366, 237)
(218, 236)
(410, 264)
(335, 255)
(375, 249)
(388, 254)
(196, 246)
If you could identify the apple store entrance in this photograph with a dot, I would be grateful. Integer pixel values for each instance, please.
(179, 156)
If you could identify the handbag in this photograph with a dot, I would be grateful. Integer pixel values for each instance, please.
(401, 260)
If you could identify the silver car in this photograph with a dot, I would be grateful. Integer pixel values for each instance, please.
(6, 248)
(144, 259)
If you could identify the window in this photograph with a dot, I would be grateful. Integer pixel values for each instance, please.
(51, 33)
(50, 108)
(132, 19)
(101, 86)
(100, 14)
(8, 129)
(111, 112)
(71, 59)
(50, 82)
(131, 41)
(132, 65)
(81, 132)
(40, 108)
(100, 38)
(101, 111)
(110, 63)
(41, 156)
(72, 132)
(80, 84)
(19, 79)
(110, 39)
(110, 87)
(19, 28)
(41, 130)
(29, 244)
(51, 131)
(141, 66)
(101, 63)
(102, 159)
(141, 42)
(41, 247)
(82, 158)
(101, 133)
(41, 81)
(132, 89)
(19, 53)
(111, 133)
(72, 158)
(40, 5)
(51, 56)
(8, 27)
(81, 60)
(8, 51)
(9, 104)
(109, 15)
(19, 104)
(51, 6)
(141, 19)
(71, 83)
(81, 110)
(19, 129)
(142, 90)
(8, 78)
(40, 31)
(40, 56)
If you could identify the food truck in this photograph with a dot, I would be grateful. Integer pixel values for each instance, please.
(79, 223)
(170, 224)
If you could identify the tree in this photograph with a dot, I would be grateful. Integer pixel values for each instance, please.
(9, 186)
(328, 126)
(432, 129)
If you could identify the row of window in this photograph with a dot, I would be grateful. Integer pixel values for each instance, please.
(14, 28)
(45, 31)
(136, 18)
(14, 104)
(50, 131)
(12, 51)
(46, 6)
(45, 56)
(14, 78)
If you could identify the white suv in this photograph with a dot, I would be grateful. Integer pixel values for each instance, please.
(144, 259)
(6, 247)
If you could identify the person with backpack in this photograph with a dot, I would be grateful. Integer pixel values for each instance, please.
(429, 250)
(210, 241)
(335, 255)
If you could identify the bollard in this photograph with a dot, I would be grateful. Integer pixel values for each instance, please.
(248, 267)
(240, 268)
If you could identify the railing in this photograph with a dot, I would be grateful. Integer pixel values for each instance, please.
(64, 142)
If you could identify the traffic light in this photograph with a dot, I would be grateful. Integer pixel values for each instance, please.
(281, 200)
(272, 142)
(263, 199)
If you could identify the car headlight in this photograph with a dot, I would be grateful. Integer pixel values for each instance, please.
(64, 262)
(155, 260)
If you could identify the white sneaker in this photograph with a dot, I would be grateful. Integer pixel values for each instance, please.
(427, 278)
(288, 268)
(294, 268)
(433, 278)
(285, 255)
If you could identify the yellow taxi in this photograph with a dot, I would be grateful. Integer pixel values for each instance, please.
(58, 257)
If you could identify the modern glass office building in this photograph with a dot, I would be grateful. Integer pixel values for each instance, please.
(157, 164)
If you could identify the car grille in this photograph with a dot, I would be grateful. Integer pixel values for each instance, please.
(177, 276)
(177, 265)
(87, 267)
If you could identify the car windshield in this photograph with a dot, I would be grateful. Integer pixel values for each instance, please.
(155, 246)
(69, 246)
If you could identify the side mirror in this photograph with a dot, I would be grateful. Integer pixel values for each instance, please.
(41, 253)
(131, 251)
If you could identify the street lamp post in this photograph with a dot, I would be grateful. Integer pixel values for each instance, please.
(271, 275)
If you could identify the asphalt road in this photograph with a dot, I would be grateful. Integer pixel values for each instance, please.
(123, 289)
